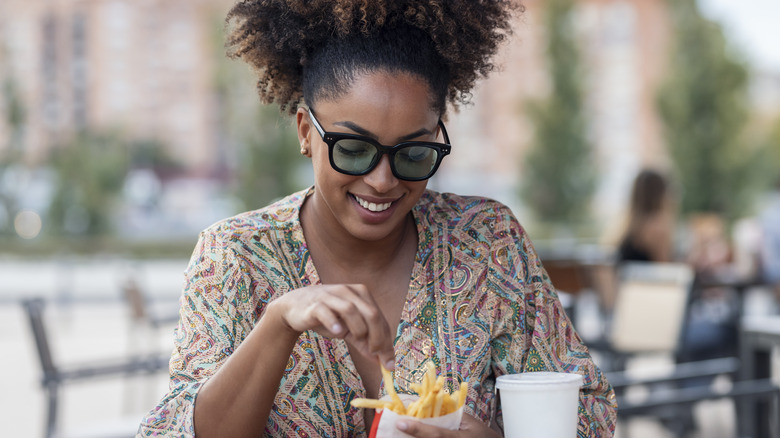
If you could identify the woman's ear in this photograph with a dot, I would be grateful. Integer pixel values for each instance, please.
(304, 130)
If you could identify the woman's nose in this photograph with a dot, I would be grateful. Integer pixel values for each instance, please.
(381, 178)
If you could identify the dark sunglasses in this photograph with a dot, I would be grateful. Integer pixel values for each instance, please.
(353, 154)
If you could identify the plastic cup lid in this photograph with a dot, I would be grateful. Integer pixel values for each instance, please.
(538, 378)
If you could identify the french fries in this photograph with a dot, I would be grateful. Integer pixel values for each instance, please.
(434, 400)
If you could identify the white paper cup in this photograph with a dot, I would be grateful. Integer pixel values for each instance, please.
(539, 404)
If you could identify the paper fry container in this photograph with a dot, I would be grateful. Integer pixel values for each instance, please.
(387, 420)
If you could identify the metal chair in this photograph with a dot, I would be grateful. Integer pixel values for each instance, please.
(651, 307)
(140, 309)
(649, 313)
(56, 375)
(670, 398)
(651, 310)
(648, 318)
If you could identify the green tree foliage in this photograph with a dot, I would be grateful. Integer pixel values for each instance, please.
(14, 115)
(773, 147)
(262, 144)
(91, 170)
(768, 158)
(269, 160)
(703, 106)
(559, 177)
(152, 154)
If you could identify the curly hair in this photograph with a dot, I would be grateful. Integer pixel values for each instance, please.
(304, 50)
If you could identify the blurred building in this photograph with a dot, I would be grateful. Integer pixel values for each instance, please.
(142, 67)
(625, 46)
(147, 67)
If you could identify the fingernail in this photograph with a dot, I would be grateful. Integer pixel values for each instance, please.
(336, 328)
(401, 425)
(390, 364)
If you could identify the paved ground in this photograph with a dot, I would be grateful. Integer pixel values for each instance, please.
(92, 329)
(86, 333)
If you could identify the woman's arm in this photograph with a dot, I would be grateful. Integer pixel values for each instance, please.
(228, 360)
(237, 401)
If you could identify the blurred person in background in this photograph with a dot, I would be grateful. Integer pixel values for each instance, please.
(770, 240)
(645, 234)
(288, 311)
(650, 237)
(709, 250)
(651, 222)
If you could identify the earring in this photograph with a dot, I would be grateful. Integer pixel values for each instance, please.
(304, 151)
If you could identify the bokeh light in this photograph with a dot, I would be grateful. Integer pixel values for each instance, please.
(28, 224)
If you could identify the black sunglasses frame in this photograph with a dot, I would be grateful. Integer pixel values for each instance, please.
(331, 138)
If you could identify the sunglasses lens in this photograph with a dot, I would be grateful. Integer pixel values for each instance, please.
(415, 161)
(357, 157)
(354, 156)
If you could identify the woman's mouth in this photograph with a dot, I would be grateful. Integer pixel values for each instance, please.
(371, 206)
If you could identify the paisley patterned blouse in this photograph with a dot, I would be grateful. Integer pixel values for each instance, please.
(479, 305)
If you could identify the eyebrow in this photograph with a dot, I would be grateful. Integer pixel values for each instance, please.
(362, 131)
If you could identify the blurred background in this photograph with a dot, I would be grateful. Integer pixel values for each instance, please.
(124, 131)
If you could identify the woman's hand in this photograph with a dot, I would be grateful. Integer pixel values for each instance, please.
(344, 311)
(469, 427)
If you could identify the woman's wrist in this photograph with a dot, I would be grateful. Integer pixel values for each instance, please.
(274, 316)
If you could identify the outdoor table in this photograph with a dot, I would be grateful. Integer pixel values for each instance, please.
(759, 335)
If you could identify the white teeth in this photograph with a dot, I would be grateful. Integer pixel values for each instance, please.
(373, 207)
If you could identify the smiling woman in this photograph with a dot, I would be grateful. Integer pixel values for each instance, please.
(288, 311)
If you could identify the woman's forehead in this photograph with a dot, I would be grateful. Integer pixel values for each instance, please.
(387, 108)
(382, 91)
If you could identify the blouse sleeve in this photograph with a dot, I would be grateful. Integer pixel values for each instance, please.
(216, 314)
(540, 333)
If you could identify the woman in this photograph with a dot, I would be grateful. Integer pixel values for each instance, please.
(649, 235)
(288, 311)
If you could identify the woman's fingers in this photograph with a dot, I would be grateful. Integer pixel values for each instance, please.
(330, 321)
(343, 311)
(351, 309)
(370, 315)
(378, 341)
